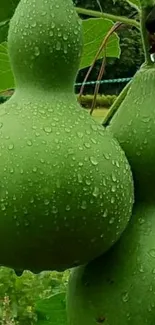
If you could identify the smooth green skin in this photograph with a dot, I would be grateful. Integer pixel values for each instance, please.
(119, 287)
(133, 125)
(66, 185)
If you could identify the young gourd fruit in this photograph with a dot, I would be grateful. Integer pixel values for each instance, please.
(66, 185)
(133, 125)
(118, 288)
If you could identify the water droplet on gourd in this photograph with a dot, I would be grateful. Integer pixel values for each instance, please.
(87, 145)
(3, 208)
(93, 161)
(79, 178)
(112, 200)
(114, 177)
(68, 207)
(36, 51)
(58, 46)
(105, 214)
(80, 134)
(84, 205)
(46, 202)
(111, 221)
(113, 189)
(88, 181)
(146, 119)
(34, 24)
(96, 191)
(54, 209)
(125, 297)
(51, 33)
(26, 223)
(67, 130)
(11, 146)
(65, 37)
(34, 169)
(58, 183)
(75, 31)
(29, 143)
(47, 129)
(152, 252)
(106, 155)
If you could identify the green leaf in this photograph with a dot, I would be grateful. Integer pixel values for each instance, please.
(134, 3)
(52, 311)
(7, 8)
(95, 30)
(6, 75)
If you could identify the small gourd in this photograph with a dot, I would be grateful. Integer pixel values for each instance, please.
(66, 186)
(118, 288)
(133, 125)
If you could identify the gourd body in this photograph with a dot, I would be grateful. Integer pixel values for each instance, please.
(119, 287)
(66, 186)
(133, 125)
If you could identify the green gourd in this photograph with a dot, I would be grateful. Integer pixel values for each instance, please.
(66, 186)
(118, 288)
(133, 125)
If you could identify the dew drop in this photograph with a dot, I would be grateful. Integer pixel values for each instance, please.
(114, 177)
(47, 129)
(88, 181)
(68, 207)
(84, 205)
(11, 146)
(125, 296)
(105, 214)
(111, 221)
(46, 202)
(58, 46)
(80, 134)
(87, 145)
(54, 209)
(29, 143)
(96, 191)
(112, 200)
(93, 161)
(152, 253)
(113, 189)
(36, 51)
(65, 37)
(3, 208)
(79, 178)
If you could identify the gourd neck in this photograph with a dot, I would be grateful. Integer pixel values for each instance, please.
(45, 44)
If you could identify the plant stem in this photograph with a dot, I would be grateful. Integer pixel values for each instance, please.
(146, 6)
(115, 18)
(116, 104)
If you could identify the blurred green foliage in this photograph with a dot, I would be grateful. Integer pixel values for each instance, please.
(19, 295)
(132, 55)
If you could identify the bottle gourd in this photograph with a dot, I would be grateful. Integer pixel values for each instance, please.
(118, 288)
(66, 186)
(133, 125)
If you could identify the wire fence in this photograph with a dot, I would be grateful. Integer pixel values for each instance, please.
(119, 80)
